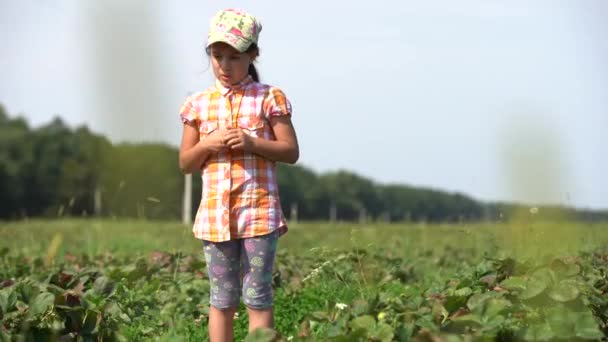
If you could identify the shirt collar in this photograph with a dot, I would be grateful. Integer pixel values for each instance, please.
(235, 87)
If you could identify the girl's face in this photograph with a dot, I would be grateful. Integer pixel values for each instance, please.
(229, 66)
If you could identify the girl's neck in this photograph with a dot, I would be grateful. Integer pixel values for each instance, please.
(236, 85)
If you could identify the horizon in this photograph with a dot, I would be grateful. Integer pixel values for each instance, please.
(501, 102)
(321, 173)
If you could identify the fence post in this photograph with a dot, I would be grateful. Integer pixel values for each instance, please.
(362, 215)
(97, 202)
(187, 203)
(333, 212)
(293, 216)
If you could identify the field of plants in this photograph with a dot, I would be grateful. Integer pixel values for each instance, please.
(93, 280)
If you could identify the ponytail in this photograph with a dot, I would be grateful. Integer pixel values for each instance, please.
(253, 72)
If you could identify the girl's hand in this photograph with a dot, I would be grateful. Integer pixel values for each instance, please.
(215, 141)
(236, 139)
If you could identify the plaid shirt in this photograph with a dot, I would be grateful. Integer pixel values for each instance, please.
(240, 194)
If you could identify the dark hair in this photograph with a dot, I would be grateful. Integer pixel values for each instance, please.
(253, 72)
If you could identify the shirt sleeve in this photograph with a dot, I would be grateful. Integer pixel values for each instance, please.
(276, 103)
(189, 111)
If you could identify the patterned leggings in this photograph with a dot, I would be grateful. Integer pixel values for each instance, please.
(242, 265)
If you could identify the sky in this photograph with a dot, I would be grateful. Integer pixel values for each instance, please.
(499, 100)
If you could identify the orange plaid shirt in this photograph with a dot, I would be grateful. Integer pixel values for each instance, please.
(240, 195)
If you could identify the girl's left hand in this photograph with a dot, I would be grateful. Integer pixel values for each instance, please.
(236, 139)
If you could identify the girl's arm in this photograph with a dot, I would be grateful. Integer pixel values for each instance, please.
(192, 153)
(284, 149)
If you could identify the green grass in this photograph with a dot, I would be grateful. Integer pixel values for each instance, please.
(391, 270)
(132, 237)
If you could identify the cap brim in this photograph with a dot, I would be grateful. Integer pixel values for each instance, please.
(229, 39)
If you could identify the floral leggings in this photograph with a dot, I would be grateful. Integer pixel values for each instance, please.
(241, 265)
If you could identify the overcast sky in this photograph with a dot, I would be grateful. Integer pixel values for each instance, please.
(500, 100)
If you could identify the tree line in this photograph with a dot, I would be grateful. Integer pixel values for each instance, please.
(55, 170)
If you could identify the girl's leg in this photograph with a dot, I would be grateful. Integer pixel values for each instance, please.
(260, 318)
(223, 267)
(221, 324)
(257, 260)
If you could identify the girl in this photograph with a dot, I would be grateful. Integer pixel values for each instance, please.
(234, 132)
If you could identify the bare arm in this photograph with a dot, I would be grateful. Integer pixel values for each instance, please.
(191, 153)
(284, 149)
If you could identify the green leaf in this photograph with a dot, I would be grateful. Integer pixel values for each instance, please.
(335, 330)
(28, 291)
(8, 298)
(572, 270)
(41, 304)
(514, 283)
(561, 322)
(539, 332)
(465, 323)
(103, 286)
(343, 338)
(534, 287)
(57, 326)
(90, 322)
(262, 335)
(21, 306)
(546, 274)
(114, 310)
(463, 292)
(5, 337)
(484, 267)
(565, 270)
(365, 322)
(492, 324)
(320, 316)
(469, 318)
(476, 301)
(495, 306)
(565, 291)
(426, 322)
(452, 338)
(453, 303)
(383, 332)
(439, 312)
(587, 327)
(3, 302)
(360, 306)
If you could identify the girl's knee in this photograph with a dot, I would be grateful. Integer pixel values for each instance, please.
(255, 307)
(257, 296)
(224, 310)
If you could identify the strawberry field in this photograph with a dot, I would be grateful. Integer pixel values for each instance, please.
(85, 280)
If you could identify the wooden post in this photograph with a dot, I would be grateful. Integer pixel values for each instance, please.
(362, 215)
(187, 203)
(97, 202)
(333, 212)
(386, 217)
(293, 216)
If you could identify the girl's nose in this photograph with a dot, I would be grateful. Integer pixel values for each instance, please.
(225, 64)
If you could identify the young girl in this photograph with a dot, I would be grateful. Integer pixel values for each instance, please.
(234, 132)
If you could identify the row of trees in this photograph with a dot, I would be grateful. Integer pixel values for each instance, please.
(54, 170)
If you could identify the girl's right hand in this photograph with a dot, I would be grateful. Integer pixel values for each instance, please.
(214, 142)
